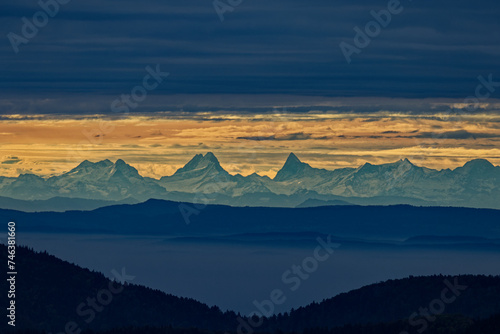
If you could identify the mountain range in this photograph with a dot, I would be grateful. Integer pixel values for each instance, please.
(204, 180)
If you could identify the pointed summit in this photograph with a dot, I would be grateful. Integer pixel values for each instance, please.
(120, 164)
(84, 164)
(121, 167)
(191, 165)
(104, 163)
(403, 162)
(292, 159)
(86, 167)
(292, 168)
(211, 157)
(201, 164)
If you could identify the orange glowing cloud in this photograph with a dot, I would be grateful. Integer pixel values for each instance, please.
(157, 146)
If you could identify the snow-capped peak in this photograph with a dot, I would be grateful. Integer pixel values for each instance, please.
(292, 168)
(200, 163)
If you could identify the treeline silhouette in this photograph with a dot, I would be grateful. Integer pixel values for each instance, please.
(49, 291)
(395, 299)
(447, 324)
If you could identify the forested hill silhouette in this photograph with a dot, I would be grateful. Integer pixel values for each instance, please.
(51, 290)
(471, 296)
(444, 324)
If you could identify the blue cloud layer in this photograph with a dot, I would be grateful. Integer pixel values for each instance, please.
(95, 48)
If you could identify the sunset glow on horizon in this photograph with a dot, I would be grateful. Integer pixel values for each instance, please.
(159, 145)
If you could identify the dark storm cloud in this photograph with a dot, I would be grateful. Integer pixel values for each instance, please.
(291, 136)
(11, 161)
(459, 134)
(258, 138)
(93, 51)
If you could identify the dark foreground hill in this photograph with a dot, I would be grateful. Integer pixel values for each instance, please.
(52, 293)
(415, 298)
(447, 324)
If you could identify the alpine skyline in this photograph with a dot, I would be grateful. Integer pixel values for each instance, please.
(297, 183)
(285, 166)
(159, 144)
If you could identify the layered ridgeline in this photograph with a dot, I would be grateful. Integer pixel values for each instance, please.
(204, 180)
(56, 296)
(416, 226)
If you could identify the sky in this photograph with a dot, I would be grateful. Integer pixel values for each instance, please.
(246, 143)
(250, 82)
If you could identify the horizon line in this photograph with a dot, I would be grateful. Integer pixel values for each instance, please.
(291, 154)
